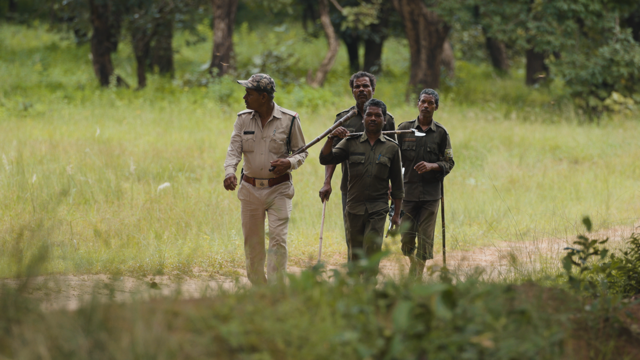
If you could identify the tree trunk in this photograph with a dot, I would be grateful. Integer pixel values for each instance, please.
(224, 17)
(537, 70)
(104, 40)
(426, 33)
(374, 42)
(448, 59)
(162, 49)
(13, 6)
(498, 54)
(352, 42)
(633, 22)
(334, 45)
(141, 40)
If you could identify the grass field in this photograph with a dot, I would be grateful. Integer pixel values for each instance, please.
(82, 167)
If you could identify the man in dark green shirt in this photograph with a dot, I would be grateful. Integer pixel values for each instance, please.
(363, 86)
(373, 161)
(426, 161)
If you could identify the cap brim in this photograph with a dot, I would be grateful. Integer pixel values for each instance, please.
(244, 83)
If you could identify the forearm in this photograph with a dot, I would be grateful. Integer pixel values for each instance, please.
(328, 173)
(328, 146)
(397, 203)
(326, 154)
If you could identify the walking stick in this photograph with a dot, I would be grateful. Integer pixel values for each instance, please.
(324, 211)
(444, 236)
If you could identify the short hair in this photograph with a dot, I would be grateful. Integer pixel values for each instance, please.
(431, 92)
(376, 103)
(361, 74)
(269, 94)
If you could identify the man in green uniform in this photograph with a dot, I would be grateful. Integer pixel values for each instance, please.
(373, 161)
(426, 161)
(363, 86)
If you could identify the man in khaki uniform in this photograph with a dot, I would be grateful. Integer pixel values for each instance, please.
(426, 161)
(363, 86)
(373, 161)
(265, 135)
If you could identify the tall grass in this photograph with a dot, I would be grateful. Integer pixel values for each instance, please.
(87, 163)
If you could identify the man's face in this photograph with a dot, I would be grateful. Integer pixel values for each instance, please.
(253, 99)
(373, 119)
(427, 105)
(362, 90)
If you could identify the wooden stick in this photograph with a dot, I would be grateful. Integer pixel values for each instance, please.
(336, 125)
(388, 133)
(324, 211)
(444, 236)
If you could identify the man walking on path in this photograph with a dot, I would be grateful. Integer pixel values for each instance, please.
(426, 161)
(373, 161)
(265, 135)
(363, 86)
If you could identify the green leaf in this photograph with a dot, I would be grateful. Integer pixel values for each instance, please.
(587, 223)
(401, 315)
(567, 264)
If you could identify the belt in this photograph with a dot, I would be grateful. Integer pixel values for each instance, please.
(263, 183)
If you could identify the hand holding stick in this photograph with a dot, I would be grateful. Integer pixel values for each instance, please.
(336, 125)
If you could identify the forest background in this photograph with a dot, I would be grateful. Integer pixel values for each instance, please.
(115, 117)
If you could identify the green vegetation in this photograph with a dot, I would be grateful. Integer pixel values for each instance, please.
(86, 164)
(314, 318)
(83, 190)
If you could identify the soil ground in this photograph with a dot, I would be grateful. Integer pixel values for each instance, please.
(500, 261)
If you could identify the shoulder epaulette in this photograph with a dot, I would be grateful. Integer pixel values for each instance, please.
(412, 122)
(391, 140)
(390, 115)
(245, 112)
(344, 111)
(443, 128)
(289, 112)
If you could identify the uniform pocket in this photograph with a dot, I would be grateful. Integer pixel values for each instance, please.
(356, 165)
(408, 151)
(383, 164)
(432, 154)
(248, 143)
(276, 146)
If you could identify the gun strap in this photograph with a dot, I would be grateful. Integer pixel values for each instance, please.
(290, 151)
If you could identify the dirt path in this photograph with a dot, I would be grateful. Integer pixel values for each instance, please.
(502, 261)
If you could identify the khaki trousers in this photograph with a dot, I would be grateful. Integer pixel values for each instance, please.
(421, 216)
(275, 202)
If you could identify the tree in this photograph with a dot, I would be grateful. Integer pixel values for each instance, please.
(497, 53)
(332, 52)
(224, 15)
(106, 21)
(363, 22)
(151, 28)
(161, 52)
(587, 43)
(427, 33)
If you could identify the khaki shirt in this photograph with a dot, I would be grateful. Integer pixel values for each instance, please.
(434, 147)
(260, 146)
(355, 124)
(370, 170)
